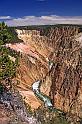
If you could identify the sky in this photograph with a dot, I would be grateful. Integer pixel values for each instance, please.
(40, 12)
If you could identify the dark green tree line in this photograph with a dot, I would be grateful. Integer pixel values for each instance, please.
(7, 67)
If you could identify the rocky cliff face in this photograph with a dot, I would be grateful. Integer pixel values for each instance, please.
(64, 83)
(67, 73)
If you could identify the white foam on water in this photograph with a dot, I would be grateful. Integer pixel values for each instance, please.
(35, 85)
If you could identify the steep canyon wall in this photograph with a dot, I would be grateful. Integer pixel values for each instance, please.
(63, 84)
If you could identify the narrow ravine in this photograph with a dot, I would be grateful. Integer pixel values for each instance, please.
(47, 101)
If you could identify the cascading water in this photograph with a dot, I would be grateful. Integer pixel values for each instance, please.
(47, 101)
(41, 96)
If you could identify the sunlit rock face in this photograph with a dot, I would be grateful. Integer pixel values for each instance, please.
(34, 64)
(64, 83)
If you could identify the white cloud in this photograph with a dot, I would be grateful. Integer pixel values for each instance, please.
(44, 20)
(5, 17)
(51, 17)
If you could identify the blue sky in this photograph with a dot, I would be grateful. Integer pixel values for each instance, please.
(19, 11)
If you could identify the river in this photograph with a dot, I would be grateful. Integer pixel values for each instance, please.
(47, 101)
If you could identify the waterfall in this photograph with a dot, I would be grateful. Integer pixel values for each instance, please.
(47, 101)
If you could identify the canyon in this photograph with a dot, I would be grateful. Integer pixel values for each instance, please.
(62, 80)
